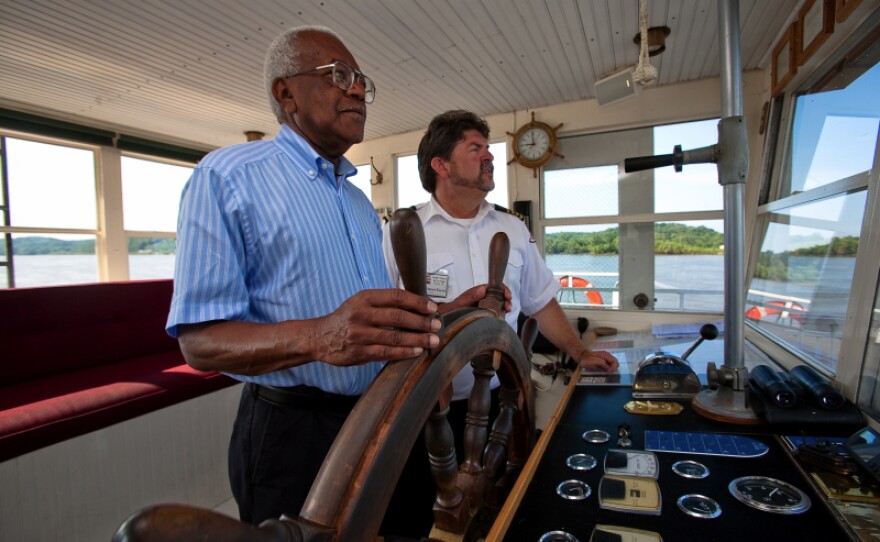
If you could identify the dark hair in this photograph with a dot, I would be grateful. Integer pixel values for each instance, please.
(443, 133)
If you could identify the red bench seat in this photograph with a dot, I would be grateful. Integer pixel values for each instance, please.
(74, 359)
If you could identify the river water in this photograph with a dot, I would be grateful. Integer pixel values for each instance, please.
(698, 280)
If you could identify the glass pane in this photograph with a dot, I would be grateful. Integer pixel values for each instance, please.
(151, 257)
(695, 187)
(409, 186)
(689, 266)
(55, 260)
(51, 186)
(587, 191)
(800, 290)
(869, 391)
(584, 260)
(151, 194)
(835, 133)
(362, 178)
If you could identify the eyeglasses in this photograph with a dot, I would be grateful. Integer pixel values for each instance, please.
(344, 77)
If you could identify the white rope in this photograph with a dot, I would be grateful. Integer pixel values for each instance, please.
(645, 74)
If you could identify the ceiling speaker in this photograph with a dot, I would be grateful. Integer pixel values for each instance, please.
(615, 87)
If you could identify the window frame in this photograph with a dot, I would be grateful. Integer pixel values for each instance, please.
(778, 152)
(111, 238)
(642, 244)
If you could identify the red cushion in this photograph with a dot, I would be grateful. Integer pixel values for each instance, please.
(52, 330)
(82, 357)
(41, 412)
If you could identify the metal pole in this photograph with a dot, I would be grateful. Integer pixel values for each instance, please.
(729, 402)
(734, 186)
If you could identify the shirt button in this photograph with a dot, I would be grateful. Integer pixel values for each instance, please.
(311, 172)
(323, 166)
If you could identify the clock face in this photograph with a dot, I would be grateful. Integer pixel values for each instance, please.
(769, 495)
(533, 144)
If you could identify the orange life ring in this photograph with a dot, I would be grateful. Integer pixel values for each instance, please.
(593, 296)
(792, 310)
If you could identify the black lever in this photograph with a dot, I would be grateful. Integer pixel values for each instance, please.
(678, 158)
(641, 163)
(707, 332)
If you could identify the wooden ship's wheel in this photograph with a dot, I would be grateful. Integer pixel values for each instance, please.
(354, 486)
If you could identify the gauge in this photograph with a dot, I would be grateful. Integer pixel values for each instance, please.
(554, 536)
(699, 506)
(573, 490)
(596, 436)
(769, 495)
(632, 463)
(581, 462)
(690, 469)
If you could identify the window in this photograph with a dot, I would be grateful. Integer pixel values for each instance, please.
(49, 214)
(150, 201)
(75, 213)
(610, 236)
(409, 186)
(805, 275)
(362, 180)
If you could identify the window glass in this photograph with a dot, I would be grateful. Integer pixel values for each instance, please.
(584, 260)
(151, 194)
(800, 289)
(51, 186)
(834, 133)
(587, 191)
(362, 180)
(689, 266)
(54, 260)
(151, 257)
(409, 186)
(643, 253)
(695, 187)
(150, 200)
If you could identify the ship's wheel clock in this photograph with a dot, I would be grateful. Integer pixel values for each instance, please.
(534, 144)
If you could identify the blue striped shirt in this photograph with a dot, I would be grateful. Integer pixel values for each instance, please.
(268, 232)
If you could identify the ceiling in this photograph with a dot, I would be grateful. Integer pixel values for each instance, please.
(190, 71)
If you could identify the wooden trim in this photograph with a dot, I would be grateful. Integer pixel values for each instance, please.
(843, 9)
(499, 528)
(814, 25)
(783, 62)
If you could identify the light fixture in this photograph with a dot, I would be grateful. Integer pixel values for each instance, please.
(656, 39)
(378, 174)
(253, 135)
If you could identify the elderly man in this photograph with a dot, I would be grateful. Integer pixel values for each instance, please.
(263, 227)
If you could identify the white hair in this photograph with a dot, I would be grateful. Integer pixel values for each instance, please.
(283, 58)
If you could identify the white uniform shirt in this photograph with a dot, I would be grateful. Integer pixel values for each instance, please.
(458, 251)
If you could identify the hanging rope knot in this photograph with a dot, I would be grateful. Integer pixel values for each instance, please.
(644, 74)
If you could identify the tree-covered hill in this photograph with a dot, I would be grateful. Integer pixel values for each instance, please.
(669, 238)
(33, 245)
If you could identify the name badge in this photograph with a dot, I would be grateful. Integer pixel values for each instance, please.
(438, 285)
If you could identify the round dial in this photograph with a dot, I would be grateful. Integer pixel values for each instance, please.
(573, 490)
(596, 436)
(690, 469)
(770, 495)
(554, 536)
(533, 143)
(581, 462)
(699, 506)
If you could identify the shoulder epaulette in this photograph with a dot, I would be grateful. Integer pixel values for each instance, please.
(509, 211)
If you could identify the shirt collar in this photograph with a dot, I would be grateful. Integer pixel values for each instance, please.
(297, 148)
(434, 209)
